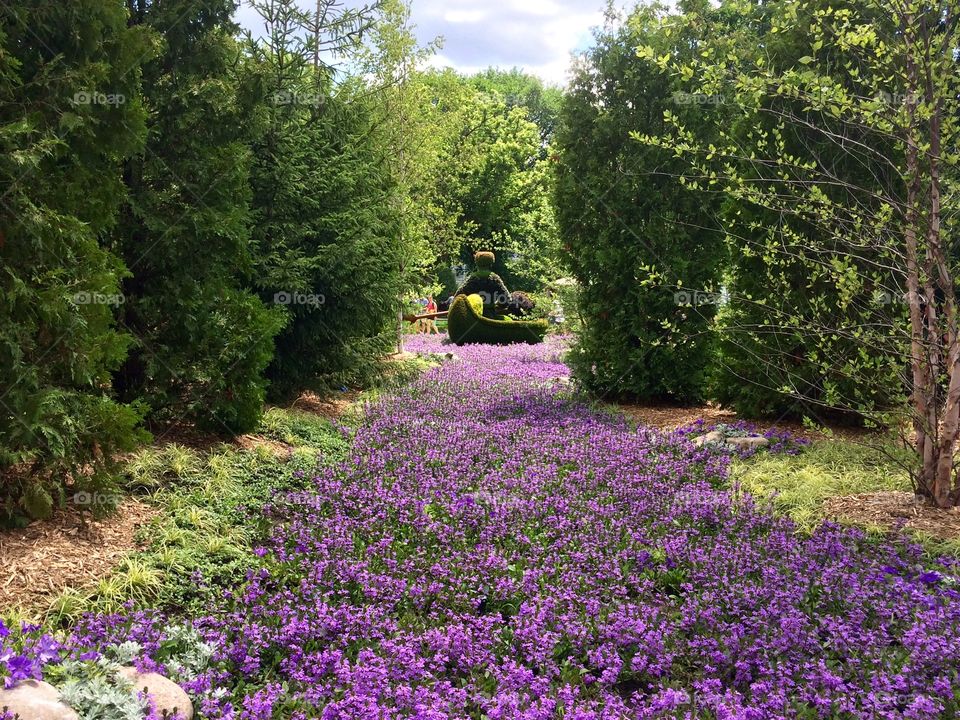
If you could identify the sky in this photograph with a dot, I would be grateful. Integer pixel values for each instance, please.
(535, 35)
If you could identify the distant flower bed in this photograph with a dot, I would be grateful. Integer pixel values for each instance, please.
(494, 548)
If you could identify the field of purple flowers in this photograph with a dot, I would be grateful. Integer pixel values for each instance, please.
(495, 548)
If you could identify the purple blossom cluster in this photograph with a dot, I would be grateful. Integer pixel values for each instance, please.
(495, 548)
(24, 651)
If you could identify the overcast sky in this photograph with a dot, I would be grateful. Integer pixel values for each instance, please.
(536, 35)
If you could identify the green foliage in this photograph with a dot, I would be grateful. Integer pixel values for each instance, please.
(517, 89)
(807, 327)
(645, 250)
(303, 429)
(327, 217)
(467, 324)
(210, 517)
(491, 180)
(489, 286)
(203, 341)
(96, 689)
(99, 689)
(69, 114)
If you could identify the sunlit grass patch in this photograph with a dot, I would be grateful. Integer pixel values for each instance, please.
(798, 485)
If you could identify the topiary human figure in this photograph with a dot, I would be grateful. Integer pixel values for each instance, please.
(486, 283)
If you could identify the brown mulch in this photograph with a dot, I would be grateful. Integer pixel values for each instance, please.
(250, 443)
(48, 556)
(331, 407)
(667, 417)
(186, 434)
(895, 511)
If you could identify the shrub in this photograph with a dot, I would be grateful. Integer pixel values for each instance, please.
(468, 325)
(643, 248)
(204, 339)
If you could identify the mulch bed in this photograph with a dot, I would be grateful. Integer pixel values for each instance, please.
(667, 417)
(331, 407)
(48, 556)
(250, 443)
(895, 511)
(43, 559)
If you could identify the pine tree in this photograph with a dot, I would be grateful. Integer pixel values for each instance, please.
(69, 115)
(328, 227)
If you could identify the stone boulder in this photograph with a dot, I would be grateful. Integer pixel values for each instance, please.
(166, 694)
(711, 438)
(35, 700)
(754, 442)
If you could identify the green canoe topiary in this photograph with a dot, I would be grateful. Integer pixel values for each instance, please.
(467, 325)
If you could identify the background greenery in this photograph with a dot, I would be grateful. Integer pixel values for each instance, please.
(195, 219)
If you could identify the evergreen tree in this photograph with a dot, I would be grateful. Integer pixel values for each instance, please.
(203, 340)
(328, 228)
(69, 115)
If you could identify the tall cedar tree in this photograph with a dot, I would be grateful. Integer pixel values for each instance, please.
(327, 231)
(69, 116)
(203, 339)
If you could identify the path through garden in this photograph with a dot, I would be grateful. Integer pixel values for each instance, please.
(494, 547)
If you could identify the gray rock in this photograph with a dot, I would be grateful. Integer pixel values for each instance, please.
(165, 693)
(713, 437)
(754, 442)
(35, 700)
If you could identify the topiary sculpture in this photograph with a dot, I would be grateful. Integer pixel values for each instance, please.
(467, 324)
(487, 284)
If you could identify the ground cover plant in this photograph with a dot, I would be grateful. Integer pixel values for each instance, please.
(208, 516)
(800, 484)
(492, 547)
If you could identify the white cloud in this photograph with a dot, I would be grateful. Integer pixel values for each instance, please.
(535, 35)
(464, 16)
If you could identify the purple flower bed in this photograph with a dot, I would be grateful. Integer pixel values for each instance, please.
(493, 548)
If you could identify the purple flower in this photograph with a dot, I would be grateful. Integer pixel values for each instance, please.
(494, 546)
(47, 650)
(20, 667)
